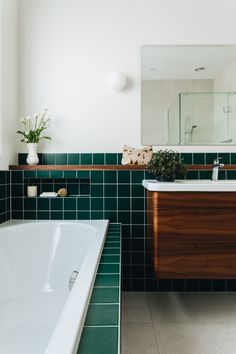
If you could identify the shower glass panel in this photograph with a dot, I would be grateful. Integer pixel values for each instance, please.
(202, 118)
(174, 122)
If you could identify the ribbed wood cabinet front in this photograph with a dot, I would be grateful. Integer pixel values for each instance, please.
(192, 235)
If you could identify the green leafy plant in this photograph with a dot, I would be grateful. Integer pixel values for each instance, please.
(166, 165)
(33, 126)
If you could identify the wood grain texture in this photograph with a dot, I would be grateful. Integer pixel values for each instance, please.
(77, 167)
(192, 235)
(106, 167)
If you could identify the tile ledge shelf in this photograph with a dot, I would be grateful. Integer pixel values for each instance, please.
(76, 167)
(105, 167)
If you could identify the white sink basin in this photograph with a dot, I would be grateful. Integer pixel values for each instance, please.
(190, 186)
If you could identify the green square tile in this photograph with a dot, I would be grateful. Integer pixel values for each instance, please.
(96, 203)
(138, 217)
(110, 190)
(97, 190)
(70, 203)
(30, 174)
(49, 159)
(3, 177)
(109, 259)
(192, 175)
(124, 177)
(56, 174)
(97, 176)
(124, 217)
(110, 176)
(61, 159)
(22, 159)
(83, 215)
(119, 158)
(70, 174)
(137, 231)
(105, 295)
(107, 280)
(84, 189)
(43, 215)
(56, 203)
(187, 158)
(17, 190)
(16, 177)
(83, 174)
(29, 204)
(69, 215)
(199, 158)
(17, 204)
(222, 175)
(42, 174)
(210, 157)
(205, 175)
(73, 159)
(108, 269)
(138, 203)
(97, 215)
(231, 174)
(2, 206)
(99, 340)
(43, 203)
(83, 203)
(148, 175)
(102, 315)
(138, 191)
(111, 159)
(57, 215)
(86, 159)
(17, 214)
(233, 158)
(98, 159)
(110, 203)
(113, 238)
(111, 216)
(111, 251)
(73, 189)
(29, 215)
(123, 203)
(225, 157)
(124, 190)
(137, 176)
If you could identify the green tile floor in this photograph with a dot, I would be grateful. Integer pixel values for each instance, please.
(101, 333)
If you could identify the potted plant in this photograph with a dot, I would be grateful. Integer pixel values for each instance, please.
(166, 165)
(33, 126)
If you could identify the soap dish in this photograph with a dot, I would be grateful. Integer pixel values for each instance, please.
(48, 194)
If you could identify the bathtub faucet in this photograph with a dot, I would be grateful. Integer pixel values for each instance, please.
(215, 168)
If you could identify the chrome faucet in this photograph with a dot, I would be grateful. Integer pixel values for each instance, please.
(215, 168)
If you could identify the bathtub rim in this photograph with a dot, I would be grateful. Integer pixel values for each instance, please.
(70, 335)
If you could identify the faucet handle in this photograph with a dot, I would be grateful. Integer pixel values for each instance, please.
(217, 160)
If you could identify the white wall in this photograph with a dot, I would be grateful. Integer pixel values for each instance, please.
(8, 80)
(68, 47)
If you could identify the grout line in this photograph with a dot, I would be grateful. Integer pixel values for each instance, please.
(153, 326)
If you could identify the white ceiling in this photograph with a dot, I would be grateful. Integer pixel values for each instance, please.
(178, 62)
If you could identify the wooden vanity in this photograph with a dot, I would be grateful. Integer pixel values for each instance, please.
(192, 235)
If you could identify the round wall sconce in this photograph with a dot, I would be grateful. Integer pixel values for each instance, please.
(116, 80)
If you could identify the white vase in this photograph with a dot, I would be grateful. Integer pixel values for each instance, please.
(32, 158)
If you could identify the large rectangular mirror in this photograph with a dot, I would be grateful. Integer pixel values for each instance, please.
(188, 95)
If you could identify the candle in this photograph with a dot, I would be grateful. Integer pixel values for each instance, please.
(32, 191)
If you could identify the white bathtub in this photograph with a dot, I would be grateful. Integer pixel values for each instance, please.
(38, 312)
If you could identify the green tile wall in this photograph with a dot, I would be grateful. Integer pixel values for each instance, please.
(101, 333)
(119, 197)
(5, 200)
